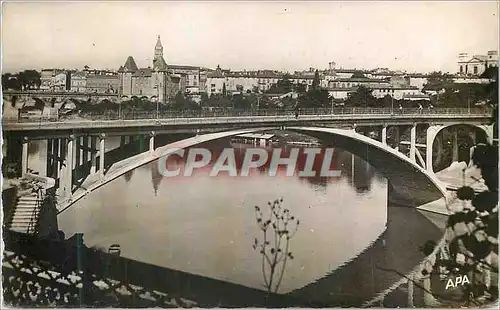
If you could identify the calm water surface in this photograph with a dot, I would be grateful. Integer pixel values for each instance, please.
(206, 225)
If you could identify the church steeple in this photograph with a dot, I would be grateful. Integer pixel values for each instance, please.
(158, 48)
(158, 60)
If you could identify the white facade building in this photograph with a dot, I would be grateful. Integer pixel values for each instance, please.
(476, 64)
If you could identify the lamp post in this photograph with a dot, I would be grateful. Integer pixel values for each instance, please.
(392, 105)
(157, 100)
(468, 99)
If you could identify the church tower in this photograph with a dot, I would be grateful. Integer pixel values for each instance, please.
(158, 61)
(159, 75)
(158, 48)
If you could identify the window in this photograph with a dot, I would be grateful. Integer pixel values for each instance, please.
(475, 69)
(461, 69)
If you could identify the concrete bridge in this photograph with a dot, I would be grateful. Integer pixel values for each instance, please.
(76, 149)
(71, 145)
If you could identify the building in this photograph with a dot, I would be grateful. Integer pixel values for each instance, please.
(398, 92)
(54, 80)
(191, 75)
(476, 64)
(240, 81)
(152, 83)
(103, 83)
(417, 80)
(79, 82)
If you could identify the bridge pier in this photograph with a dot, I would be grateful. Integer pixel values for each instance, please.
(454, 142)
(77, 155)
(152, 141)
(384, 135)
(85, 150)
(102, 136)
(473, 137)
(68, 172)
(55, 158)
(48, 169)
(431, 134)
(413, 141)
(489, 131)
(93, 154)
(24, 158)
(13, 148)
(61, 165)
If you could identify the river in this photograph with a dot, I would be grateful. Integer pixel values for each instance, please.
(207, 225)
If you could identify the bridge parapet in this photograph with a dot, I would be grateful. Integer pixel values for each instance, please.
(115, 119)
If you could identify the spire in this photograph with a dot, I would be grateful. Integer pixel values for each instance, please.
(158, 60)
(158, 48)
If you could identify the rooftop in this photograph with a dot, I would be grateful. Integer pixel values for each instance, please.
(183, 67)
(129, 65)
(143, 72)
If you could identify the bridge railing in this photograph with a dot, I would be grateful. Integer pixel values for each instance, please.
(227, 113)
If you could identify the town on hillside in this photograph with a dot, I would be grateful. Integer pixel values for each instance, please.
(164, 86)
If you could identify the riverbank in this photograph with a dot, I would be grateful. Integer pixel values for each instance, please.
(458, 174)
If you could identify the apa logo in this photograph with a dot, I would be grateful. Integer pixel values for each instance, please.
(458, 280)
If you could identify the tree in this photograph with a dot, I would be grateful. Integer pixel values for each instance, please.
(10, 81)
(282, 86)
(362, 97)
(178, 101)
(315, 98)
(183, 103)
(278, 228)
(29, 79)
(224, 92)
(358, 75)
(471, 234)
(300, 88)
(491, 88)
(436, 81)
(204, 98)
(240, 102)
(315, 83)
(490, 73)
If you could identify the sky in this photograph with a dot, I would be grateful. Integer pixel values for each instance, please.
(413, 36)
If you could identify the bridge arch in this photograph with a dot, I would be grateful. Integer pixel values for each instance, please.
(415, 185)
(434, 130)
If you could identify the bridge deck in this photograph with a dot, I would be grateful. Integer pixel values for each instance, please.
(279, 118)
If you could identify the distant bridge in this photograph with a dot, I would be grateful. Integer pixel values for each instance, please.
(45, 94)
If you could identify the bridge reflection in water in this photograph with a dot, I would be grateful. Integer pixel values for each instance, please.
(133, 284)
(52, 273)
